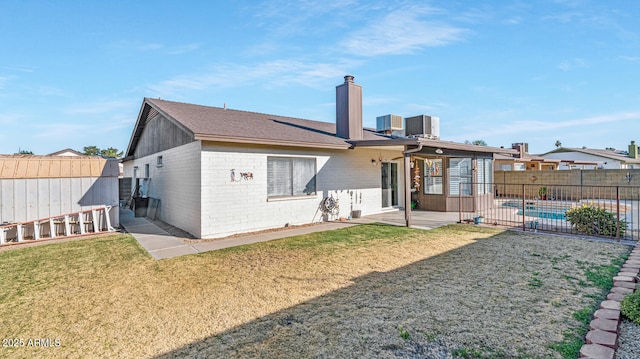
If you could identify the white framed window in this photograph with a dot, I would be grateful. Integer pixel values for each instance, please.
(146, 170)
(460, 176)
(159, 162)
(433, 176)
(290, 176)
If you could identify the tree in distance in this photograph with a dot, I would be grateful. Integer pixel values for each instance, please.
(110, 152)
(476, 142)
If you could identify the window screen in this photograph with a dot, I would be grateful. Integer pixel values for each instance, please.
(291, 176)
(460, 176)
(484, 175)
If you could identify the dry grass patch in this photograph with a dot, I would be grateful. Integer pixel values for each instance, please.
(365, 291)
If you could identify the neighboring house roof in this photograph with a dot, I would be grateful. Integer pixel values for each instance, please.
(617, 155)
(33, 166)
(579, 162)
(526, 158)
(66, 152)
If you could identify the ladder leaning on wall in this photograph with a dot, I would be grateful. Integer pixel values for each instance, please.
(91, 221)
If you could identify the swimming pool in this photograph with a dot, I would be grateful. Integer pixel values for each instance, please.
(533, 210)
(544, 214)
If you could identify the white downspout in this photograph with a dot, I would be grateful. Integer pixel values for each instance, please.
(133, 180)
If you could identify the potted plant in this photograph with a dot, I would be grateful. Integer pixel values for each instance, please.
(542, 192)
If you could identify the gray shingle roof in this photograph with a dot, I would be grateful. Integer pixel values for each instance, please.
(215, 123)
(226, 125)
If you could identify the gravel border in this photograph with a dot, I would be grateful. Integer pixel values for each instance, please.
(628, 340)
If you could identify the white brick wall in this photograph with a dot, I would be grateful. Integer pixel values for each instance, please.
(196, 192)
(242, 206)
(356, 182)
(176, 183)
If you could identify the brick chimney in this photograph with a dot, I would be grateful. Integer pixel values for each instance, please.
(349, 109)
(521, 147)
(633, 150)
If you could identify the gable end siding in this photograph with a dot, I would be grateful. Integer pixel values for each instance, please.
(161, 134)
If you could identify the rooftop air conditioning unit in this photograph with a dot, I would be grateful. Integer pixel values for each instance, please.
(423, 126)
(388, 123)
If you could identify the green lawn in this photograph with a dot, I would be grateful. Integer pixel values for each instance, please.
(365, 291)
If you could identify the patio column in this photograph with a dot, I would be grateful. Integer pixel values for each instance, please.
(407, 181)
(407, 189)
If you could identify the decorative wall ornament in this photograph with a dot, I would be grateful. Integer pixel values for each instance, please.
(244, 176)
(330, 205)
(416, 178)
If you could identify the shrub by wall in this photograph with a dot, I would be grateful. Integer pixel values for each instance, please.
(592, 220)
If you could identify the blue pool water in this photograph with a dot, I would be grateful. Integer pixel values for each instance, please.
(532, 210)
(544, 214)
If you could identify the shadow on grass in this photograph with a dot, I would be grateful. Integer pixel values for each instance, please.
(473, 301)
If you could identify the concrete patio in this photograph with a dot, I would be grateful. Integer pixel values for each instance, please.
(160, 244)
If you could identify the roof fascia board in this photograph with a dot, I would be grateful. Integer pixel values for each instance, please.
(464, 147)
(130, 148)
(389, 142)
(214, 138)
(432, 144)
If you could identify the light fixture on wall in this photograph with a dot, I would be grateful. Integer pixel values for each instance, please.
(628, 177)
(439, 151)
(373, 161)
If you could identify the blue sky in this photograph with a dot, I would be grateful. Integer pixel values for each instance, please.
(74, 73)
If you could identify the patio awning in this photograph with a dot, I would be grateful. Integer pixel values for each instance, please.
(433, 145)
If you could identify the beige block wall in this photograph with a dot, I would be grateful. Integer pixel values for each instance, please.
(536, 179)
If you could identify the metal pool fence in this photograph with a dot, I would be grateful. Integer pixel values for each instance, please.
(603, 211)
